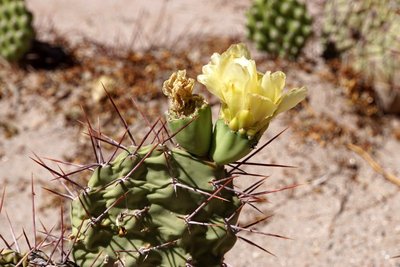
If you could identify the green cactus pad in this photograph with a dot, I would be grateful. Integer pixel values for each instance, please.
(280, 28)
(228, 146)
(16, 32)
(194, 132)
(143, 210)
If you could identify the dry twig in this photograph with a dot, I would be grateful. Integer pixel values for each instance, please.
(375, 165)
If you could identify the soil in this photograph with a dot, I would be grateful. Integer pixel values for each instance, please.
(343, 211)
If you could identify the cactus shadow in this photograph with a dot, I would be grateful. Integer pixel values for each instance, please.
(330, 52)
(45, 56)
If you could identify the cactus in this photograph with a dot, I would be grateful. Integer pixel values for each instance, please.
(151, 196)
(16, 32)
(174, 204)
(159, 206)
(365, 34)
(348, 24)
(279, 27)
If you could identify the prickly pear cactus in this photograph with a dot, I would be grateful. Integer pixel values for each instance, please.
(365, 34)
(279, 27)
(16, 32)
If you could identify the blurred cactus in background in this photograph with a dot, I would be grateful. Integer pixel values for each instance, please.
(280, 28)
(365, 35)
(16, 32)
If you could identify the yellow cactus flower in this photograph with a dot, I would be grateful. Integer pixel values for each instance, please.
(249, 99)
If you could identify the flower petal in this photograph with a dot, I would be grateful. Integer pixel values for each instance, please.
(237, 50)
(291, 99)
(261, 107)
(245, 119)
(223, 69)
(213, 84)
(234, 99)
(272, 85)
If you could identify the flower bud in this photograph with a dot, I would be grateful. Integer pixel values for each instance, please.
(228, 146)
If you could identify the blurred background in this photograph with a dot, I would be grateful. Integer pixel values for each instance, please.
(344, 139)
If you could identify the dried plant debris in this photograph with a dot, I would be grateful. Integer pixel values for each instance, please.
(321, 128)
(8, 129)
(80, 72)
(134, 74)
(360, 93)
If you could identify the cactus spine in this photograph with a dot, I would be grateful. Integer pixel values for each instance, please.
(16, 32)
(280, 28)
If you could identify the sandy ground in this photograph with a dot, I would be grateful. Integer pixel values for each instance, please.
(343, 214)
(158, 22)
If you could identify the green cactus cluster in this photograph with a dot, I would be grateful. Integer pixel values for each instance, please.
(279, 27)
(16, 31)
(348, 24)
(365, 35)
